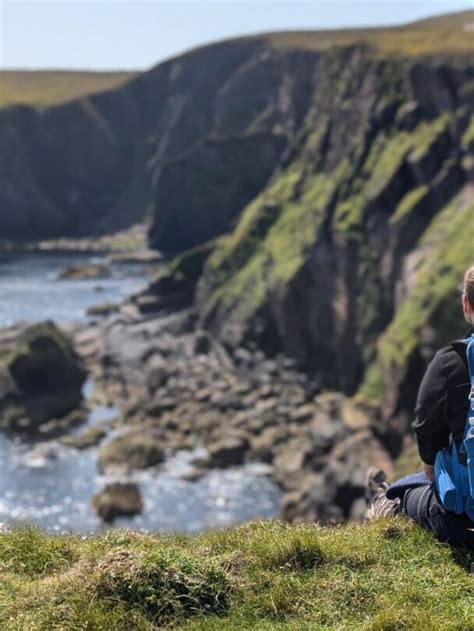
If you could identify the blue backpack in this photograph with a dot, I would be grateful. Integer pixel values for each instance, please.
(455, 480)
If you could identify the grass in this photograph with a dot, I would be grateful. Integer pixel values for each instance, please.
(383, 575)
(50, 87)
(450, 33)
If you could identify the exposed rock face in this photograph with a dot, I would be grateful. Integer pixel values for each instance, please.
(217, 179)
(41, 380)
(354, 238)
(229, 108)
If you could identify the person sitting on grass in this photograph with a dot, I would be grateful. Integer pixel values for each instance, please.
(440, 427)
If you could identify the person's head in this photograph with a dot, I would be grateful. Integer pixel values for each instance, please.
(468, 295)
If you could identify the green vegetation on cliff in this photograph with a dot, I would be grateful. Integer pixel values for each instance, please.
(409, 202)
(273, 237)
(444, 253)
(379, 576)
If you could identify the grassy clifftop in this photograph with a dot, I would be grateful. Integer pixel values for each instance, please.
(379, 576)
(449, 34)
(50, 87)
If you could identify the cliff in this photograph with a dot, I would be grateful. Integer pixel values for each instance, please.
(196, 138)
(102, 162)
(328, 175)
(349, 258)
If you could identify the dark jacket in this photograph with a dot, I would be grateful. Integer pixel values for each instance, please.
(442, 404)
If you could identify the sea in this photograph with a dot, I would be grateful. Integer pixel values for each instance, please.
(50, 485)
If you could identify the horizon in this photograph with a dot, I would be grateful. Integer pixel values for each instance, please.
(13, 15)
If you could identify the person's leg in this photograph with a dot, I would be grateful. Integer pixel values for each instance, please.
(422, 505)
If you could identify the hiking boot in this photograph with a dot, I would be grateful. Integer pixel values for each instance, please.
(376, 483)
(379, 504)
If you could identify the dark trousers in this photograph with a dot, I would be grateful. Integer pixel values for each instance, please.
(423, 506)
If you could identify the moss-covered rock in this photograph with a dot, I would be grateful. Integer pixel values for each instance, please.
(42, 379)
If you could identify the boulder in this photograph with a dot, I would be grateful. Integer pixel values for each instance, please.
(84, 272)
(118, 500)
(266, 444)
(137, 449)
(160, 405)
(202, 343)
(90, 438)
(103, 309)
(41, 379)
(228, 451)
(193, 475)
(57, 427)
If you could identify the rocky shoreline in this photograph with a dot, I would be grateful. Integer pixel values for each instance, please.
(179, 389)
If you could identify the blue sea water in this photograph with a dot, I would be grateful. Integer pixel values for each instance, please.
(50, 485)
(30, 290)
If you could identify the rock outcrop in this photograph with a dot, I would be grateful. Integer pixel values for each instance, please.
(41, 382)
(119, 499)
(348, 257)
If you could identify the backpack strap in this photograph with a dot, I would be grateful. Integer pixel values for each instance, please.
(459, 347)
(470, 363)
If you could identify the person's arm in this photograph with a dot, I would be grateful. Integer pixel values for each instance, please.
(431, 425)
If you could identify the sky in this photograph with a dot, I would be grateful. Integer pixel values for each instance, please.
(136, 34)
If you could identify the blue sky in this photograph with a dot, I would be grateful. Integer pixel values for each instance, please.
(134, 34)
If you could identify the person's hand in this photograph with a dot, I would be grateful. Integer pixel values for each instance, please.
(429, 470)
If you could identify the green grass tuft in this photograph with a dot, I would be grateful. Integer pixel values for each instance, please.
(26, 552)
(387, 574)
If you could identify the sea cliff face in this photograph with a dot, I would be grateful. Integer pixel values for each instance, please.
(349, 258)
(329, 183)
(208, 127)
